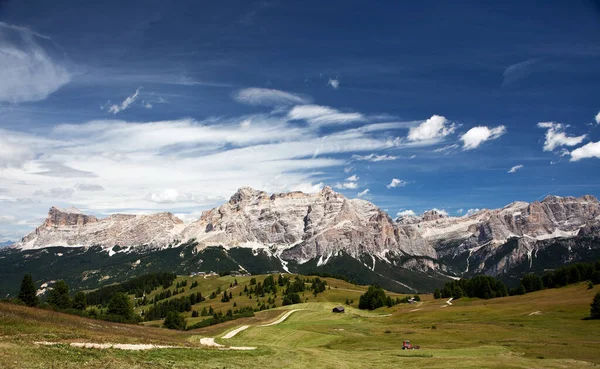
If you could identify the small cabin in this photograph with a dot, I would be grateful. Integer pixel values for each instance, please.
(338, 309)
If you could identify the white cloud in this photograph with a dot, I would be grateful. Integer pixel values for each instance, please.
(352, 178)
(323, 115)
(404, 213)
(396, 183)
(88, 187)
(374, 157)
(447, 148)
(55, 193)
(7, 219)
(308, 187)
(556, 137)
(346, 186)
(460, 211)
(246, 123)
(515, 168)
(598, 118)
(146, 105)
(170, 196)
(590, 150)
(472, 211)
(477, 135)
(30, 68)
(12, 152)
(268, 97)
(335, 83)
(348, 169)
(434, 128)
(363, 193)
(116, 108)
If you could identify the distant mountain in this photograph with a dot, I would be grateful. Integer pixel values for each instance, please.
(323, 233)
(6, 243)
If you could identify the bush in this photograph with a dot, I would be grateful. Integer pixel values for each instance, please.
(175, 320)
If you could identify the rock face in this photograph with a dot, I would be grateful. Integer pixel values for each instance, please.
(302, 227)
(70, 227)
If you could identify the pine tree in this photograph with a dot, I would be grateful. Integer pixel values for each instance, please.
(457, 293)
(59, 295)
(595, 307)
(80, 303)
(27, 294)
(121, 306)
(437, 294)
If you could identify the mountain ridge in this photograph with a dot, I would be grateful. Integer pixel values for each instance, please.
(326, 230)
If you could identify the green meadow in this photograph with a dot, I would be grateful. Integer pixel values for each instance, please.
(544, 329)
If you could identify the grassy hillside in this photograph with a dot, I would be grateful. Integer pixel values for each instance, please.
(337, 291)
(543, 329)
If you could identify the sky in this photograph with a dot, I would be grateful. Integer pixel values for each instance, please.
(146, 106)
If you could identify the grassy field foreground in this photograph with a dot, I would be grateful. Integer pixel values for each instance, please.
(544, 329)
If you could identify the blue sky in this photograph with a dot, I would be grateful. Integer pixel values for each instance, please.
(135, 106)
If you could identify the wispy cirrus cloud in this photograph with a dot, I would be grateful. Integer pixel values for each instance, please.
(125, 104)
(374, 157)
(323, 115)
(269, 97)
(363, 192)
(32, 66)
(515, 168)
(518, 71)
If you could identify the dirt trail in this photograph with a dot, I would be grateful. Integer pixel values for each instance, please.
(119, 346)
(280, 320)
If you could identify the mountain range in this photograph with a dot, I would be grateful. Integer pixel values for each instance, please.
(323, 233)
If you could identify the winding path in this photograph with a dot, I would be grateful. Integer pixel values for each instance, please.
(210, 342)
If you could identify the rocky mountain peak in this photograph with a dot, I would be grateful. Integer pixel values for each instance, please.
(72, 216)
(433, 214)
(245, 194)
